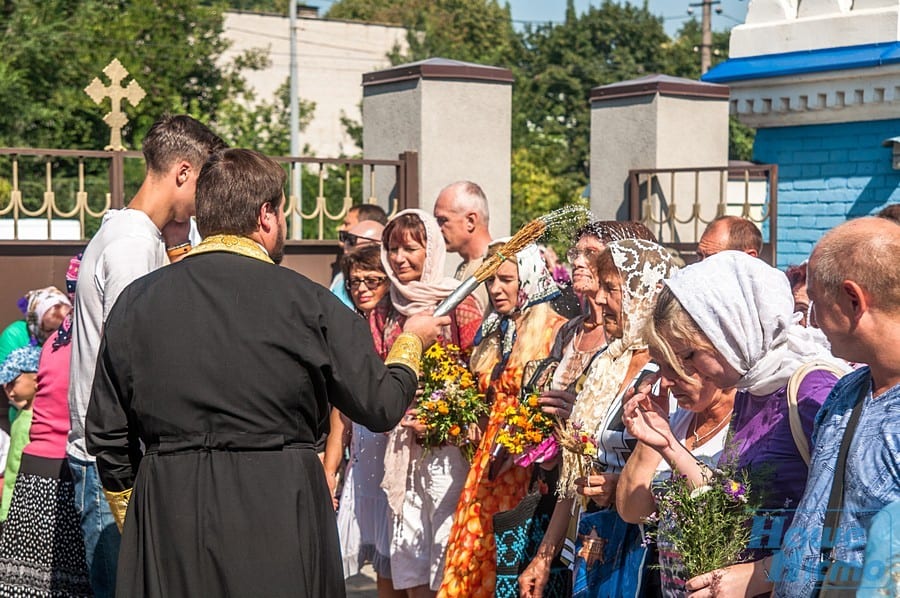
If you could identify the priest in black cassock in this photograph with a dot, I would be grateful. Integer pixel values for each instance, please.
(224, 365)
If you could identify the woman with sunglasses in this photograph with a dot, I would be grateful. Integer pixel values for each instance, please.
(364, 518)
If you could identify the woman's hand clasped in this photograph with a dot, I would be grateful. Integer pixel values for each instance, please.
(557, 403)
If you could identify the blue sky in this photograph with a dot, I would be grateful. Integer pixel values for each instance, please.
(673, 11)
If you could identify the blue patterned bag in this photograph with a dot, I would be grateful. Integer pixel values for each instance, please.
(609, 557)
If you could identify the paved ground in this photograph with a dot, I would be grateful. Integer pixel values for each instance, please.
(362, 585)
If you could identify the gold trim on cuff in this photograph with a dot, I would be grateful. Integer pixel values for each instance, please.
(118, 504)
(407, 350)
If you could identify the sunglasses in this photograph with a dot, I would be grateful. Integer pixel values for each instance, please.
(371, 282)
(351, 240)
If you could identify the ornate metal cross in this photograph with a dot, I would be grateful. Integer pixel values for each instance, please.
(116, 119)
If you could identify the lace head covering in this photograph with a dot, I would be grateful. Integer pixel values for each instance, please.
(433, 285)
(643, 265)
(536, 285)
(746, 310)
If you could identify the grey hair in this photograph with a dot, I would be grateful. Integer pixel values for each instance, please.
(469, 196)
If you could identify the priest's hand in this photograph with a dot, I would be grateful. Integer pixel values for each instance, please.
(426, 327)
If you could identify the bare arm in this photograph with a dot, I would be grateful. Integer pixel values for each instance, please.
(535, 577)
(634, 498)
(335, 445)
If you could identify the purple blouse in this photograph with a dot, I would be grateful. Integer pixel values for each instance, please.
(765, 445)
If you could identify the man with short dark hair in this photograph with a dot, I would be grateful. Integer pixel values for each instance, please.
(730, 232)
(152, 231)
(223, 366)
(854, 287)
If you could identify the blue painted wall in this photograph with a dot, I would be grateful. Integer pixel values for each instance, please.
(827, 174)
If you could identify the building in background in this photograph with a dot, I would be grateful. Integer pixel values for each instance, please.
(331, 59)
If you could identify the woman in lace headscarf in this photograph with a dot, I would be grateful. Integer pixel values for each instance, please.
(422, 487)
(731, 319)
(519, 328)
(629, 274)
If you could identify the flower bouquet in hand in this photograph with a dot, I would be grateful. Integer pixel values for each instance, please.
(574, 439)
(704, 528)
(450, 402)
(527, 432)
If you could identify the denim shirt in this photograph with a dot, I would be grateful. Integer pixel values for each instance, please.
(871, 482)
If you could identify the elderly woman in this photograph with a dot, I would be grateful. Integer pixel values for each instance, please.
(730, 319)
(629, 272)
(364, 518)
(422, 486)
(519, 328)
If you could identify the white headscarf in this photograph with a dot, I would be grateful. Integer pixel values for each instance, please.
(746, 309)
(433, 286)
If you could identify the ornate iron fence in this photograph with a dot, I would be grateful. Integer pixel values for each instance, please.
(678, 203)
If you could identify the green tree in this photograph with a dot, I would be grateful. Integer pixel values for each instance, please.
(477, 31)
(556, 67)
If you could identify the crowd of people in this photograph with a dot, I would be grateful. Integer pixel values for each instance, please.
(193, 420)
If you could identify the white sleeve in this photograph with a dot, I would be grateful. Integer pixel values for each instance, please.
(123, 262)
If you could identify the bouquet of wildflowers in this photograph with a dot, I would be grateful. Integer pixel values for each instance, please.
(450, 402)
(527, 432)
(702, 529)
(574, 439)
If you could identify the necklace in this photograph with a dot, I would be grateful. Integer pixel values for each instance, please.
(698, 439)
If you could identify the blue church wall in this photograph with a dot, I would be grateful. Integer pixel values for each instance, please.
(827, 174)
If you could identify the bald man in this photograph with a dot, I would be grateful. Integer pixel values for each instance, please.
(854, 286)
(461, 210)
(730, 232)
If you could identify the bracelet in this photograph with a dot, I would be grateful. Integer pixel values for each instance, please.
(407, 350)
(180, 249)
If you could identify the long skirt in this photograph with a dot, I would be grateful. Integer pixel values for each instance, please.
(42, 547)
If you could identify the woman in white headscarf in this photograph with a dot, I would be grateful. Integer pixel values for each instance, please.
(730, 319)
(422, 486)
(519, 328)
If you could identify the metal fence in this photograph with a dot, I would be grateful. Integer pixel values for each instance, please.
(678, 203)
(53, 194)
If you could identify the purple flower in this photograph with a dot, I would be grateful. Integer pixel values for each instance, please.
(735, 490)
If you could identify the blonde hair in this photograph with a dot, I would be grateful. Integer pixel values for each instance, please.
(671, 322)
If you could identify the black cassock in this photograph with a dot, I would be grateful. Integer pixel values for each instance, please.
(224, 366)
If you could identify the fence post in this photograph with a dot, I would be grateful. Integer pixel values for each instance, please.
(410, 181)
(117, 180)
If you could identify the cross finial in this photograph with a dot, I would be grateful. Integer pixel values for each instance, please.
(116, 119)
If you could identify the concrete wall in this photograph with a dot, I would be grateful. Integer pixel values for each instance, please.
(460, 126)
(827, 174)
(331, 58)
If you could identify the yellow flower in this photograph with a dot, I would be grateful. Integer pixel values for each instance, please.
(454, 430)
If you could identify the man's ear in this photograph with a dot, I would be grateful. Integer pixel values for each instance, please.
(856, 297)
(183, 172)
(471, 221)
(267, 217)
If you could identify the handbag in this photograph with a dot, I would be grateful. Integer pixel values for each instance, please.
(837, 578)
(517, 535)
(610, 557)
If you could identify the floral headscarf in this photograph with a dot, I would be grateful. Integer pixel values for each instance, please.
(536, 285)
(38, 303)
(643, 265)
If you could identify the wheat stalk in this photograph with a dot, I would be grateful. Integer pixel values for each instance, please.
(528, 234)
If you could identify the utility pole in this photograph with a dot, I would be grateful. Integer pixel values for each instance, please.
(296, 219)
(705, 31)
